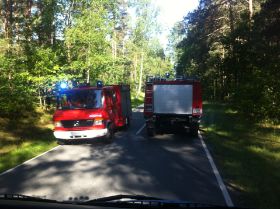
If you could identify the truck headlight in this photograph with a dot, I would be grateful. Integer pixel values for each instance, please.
(57, 124)
(98, 121)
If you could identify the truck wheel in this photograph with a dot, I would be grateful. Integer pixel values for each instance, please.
(110, 134)
(150, 132)
(127, 123)
(61, 141)
(159, 131)
(194, 132)
(194, 129)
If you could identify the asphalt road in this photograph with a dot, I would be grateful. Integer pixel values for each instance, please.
(167, 166)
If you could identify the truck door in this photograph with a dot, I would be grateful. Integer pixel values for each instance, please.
(110, 106)
(116, 108)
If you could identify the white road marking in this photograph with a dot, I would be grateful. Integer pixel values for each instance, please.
(139, 131)
(222, 186)
(11, 169)
(136, 109)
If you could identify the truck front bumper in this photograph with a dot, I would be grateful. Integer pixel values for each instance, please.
(87, 134)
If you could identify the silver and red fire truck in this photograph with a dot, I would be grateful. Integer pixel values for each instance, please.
(91, 111)
(172, 104)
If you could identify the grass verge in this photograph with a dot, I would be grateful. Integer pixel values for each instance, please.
(24, 138)
(136, 101)
(247, 153)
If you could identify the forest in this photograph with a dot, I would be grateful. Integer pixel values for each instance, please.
(44, 42)
(233, 46)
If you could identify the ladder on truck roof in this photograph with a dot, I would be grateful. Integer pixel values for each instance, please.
(151, 79)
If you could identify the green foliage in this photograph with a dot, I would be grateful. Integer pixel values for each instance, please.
(22, 138)
(47, 41)
(237, 58)
(15, 94)
(86, 39)
(247, 154)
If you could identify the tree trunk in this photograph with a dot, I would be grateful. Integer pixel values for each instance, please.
(141, 74)
(231, 17)
(28, 26)
(114, 46)
(135, 70)
(7, 13)
(251, 9)
(40, 97)
(113, 49)
(68, 53)
(214, 90)
(88, 76)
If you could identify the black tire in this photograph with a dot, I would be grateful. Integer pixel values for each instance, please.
(110, 134)
(194, 132)
(127, 123)
(61, 141)
(159, 130)
(194, 129)
(150, 132)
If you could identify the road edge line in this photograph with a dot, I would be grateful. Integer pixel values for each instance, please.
(219, 179)
(135, 108)
(141, 129)
(11, 169)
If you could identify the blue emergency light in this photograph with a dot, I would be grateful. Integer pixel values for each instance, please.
(167, 75)
(63, 85)
(99, 84)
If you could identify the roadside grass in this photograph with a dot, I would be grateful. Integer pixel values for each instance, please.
(136, 101)
(247, 153)
(30, 135)
(24, 138)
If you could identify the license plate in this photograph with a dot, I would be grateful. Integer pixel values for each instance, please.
(75, 134)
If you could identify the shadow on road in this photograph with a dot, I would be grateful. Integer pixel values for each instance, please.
(96, 142)
(167, 166)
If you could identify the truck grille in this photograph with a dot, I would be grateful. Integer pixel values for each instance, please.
(76, 123)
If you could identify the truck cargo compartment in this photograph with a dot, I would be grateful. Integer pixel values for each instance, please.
(172, 99)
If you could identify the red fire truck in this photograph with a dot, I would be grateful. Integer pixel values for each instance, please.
(91, 111)
(172, 104)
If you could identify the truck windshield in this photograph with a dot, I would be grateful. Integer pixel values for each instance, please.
(80, 99)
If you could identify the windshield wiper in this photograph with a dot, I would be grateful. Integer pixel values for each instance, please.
(140, 201)
(24, 198)
(121, 196)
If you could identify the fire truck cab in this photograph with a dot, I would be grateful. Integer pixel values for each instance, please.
(91, 111)
(172, 104)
